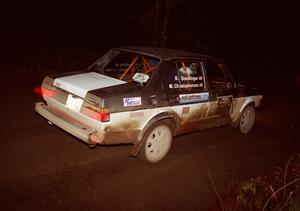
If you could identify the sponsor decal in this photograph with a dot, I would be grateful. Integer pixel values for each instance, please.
(195, 97)
(223, 100)
(185, 110)
(132, 101)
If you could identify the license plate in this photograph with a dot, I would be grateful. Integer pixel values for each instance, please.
(74, 103)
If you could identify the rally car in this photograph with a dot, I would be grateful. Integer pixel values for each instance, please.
(145, 96)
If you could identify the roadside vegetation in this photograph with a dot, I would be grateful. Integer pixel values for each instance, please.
(277, 190)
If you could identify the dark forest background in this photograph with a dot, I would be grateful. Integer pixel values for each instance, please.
(64, 37)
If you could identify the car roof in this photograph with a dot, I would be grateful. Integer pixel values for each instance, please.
(166, 53)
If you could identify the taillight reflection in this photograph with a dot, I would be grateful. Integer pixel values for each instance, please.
(44, 91)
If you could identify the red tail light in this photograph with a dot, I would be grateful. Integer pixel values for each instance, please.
(44, 91)
(102, 115)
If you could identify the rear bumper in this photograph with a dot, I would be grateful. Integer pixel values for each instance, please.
(69, 124)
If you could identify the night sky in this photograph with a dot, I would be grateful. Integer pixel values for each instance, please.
(54, 36)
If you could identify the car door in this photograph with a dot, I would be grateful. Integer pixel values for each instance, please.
(187, 93)
(221, 87)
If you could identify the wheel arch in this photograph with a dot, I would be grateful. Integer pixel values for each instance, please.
(175, 125)
(248, 102)
(173, 117)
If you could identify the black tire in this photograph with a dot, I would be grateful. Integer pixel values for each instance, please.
(157, 142)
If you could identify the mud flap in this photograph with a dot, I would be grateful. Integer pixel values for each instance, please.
(136, 148)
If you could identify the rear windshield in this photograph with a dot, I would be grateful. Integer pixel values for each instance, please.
(124, 65)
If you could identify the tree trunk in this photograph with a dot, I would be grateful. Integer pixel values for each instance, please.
(161, 21)
(165, 23)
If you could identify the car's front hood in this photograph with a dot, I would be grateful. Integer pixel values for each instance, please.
(80, 84)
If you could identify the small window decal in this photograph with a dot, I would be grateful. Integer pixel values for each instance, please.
(140, 78)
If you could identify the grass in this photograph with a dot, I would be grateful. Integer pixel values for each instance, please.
(277, 190)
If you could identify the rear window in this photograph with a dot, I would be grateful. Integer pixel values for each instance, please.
(124, 65)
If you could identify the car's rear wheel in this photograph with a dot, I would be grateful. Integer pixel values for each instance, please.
(247, 119)
(156, 142)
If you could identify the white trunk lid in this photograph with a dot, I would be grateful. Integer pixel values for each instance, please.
(80, 84)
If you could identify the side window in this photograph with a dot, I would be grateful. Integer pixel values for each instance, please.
(216, 74)
(185, 77)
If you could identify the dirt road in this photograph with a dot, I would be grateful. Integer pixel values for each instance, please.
(42, 167)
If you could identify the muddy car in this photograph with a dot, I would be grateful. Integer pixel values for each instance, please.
(145, 97)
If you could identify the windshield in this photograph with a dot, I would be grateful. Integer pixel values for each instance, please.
(125, 65)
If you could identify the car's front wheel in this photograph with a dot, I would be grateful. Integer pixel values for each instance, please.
(156, 143)
(247, 119)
